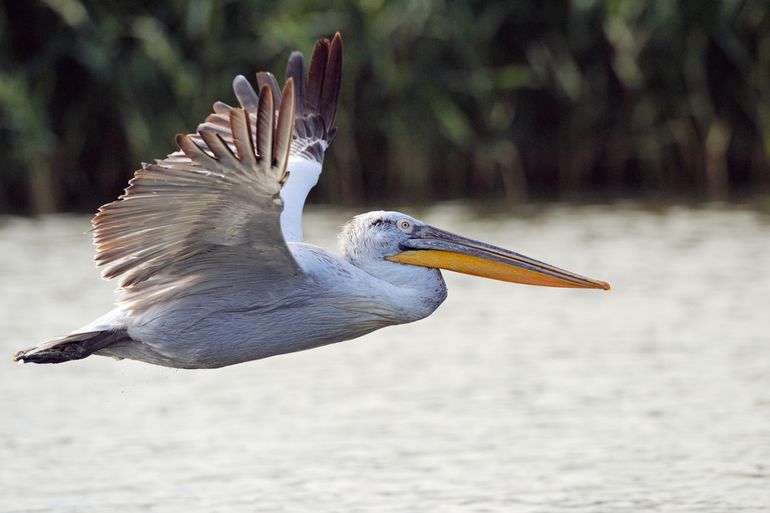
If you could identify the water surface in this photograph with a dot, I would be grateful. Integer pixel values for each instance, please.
(654, 397)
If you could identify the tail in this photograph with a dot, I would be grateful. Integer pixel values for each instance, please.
(72, 347)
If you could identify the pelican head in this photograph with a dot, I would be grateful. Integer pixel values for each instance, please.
(378, 241)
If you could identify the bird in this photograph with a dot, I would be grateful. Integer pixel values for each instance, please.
(207, 244)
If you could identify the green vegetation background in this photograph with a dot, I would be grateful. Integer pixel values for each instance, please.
(441, 99)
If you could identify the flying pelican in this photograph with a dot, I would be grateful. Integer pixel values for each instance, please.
(207, 243)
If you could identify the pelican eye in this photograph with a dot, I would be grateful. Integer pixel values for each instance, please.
(405, 226)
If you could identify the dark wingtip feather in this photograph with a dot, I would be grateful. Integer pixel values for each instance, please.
(265, 78)
(265, 124)
(246, 95)
(332, 85)
(295, 70)
(285, 126)
(316, 74)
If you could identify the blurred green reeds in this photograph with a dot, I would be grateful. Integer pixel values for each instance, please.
(441, 99)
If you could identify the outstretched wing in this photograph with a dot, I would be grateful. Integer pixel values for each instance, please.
(316, 110)
(206, 211)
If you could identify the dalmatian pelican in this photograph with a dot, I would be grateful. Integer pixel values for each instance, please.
(208, 251)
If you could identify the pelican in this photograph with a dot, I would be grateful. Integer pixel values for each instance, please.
(208, 251)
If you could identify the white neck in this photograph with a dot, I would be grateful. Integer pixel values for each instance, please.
(417, 290)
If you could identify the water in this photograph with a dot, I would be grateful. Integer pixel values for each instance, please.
(654, 397)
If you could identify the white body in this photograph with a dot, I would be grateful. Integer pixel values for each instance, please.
(333, 300)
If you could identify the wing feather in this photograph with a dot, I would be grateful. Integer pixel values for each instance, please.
(314, 127)
(242, 137)
(316, 75)
(285, 127)
(265, 78)
(295, 69)
(332, 84)
(265, 125)
(205, 211)
(315, 105)
(246, 95)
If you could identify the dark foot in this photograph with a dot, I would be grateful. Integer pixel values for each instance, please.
(58, 354)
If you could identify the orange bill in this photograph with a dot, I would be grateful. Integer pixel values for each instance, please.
(431, 247)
